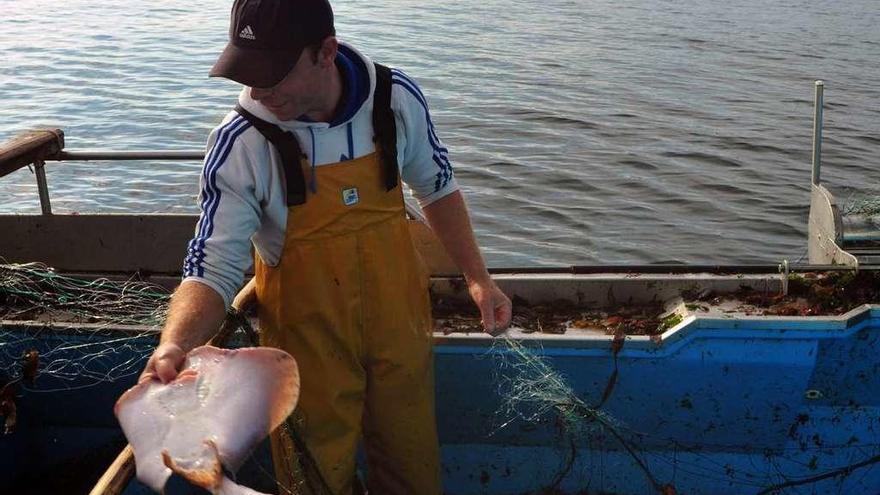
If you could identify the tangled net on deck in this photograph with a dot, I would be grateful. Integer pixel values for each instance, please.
(60, 333)
(56, 335)
(34, 291)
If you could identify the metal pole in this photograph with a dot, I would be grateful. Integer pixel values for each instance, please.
(817, 130)
(42, 186)
(86, 155)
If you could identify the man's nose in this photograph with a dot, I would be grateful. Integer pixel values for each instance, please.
(260, 93)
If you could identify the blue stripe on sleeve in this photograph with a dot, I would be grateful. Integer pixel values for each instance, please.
(207, 192)
(211, 194)
(441, 154)
(412, 87)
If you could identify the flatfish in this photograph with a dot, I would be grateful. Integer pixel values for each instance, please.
(210, 417)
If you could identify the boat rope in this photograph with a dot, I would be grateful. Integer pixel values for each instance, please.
(844, 471)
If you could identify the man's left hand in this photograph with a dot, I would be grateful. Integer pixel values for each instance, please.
(495, 307)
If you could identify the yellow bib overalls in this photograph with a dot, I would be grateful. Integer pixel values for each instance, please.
(349, 300)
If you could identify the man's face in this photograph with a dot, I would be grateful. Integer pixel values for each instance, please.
(297, 93)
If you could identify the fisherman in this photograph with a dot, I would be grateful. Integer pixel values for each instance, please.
(308, 170)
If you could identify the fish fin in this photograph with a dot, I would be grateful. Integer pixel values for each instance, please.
(209, 477)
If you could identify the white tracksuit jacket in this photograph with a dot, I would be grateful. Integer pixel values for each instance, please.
(242, 194)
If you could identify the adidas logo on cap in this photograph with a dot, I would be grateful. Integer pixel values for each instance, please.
(247, 33)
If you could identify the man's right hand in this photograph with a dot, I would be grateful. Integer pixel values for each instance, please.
(164, 364)
(194, 315)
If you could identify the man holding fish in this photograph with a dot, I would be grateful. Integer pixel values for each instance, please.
(308, 169)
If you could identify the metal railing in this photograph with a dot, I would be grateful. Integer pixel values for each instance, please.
(87, 155)
(94, 155)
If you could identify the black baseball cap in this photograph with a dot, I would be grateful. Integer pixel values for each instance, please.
(266, 38)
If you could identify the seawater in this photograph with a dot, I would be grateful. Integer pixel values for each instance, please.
(627, 131)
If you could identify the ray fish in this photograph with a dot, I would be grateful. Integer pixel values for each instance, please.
(211, 416)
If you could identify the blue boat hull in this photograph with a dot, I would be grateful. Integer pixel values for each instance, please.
(718, 406)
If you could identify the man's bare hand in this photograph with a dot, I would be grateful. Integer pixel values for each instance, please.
(194, 315)
(164, 364)
(495, 307)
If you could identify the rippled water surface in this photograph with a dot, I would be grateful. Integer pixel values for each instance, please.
(582, 131)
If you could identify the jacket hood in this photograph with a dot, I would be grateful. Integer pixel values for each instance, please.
(259, 110)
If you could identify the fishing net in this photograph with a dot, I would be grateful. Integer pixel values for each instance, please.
(861, 204)
(531, 389)
(68, 348)
(56, 331)
(861, 222)
(534, 391)
(61, 334)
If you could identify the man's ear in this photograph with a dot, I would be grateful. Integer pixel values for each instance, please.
(327, 52)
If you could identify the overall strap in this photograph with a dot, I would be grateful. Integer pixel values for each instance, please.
(384, 125)
(290, 151)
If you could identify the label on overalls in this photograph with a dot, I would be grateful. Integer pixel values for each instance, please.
(350, 196)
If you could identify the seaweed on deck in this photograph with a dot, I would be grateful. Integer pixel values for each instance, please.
(556, 317)
(809, 294)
